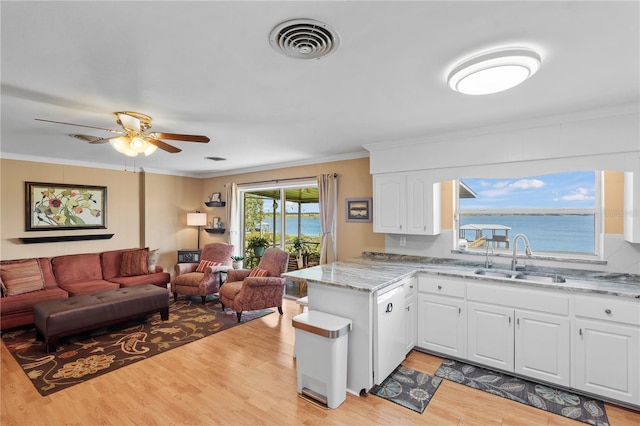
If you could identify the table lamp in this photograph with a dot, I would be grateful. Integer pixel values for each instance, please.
(197, 219)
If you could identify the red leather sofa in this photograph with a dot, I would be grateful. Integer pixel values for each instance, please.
(73, 275)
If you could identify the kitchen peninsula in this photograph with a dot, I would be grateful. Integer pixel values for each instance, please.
(585, 316)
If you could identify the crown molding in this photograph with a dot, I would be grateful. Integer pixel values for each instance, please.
(613, 111)
(317, 160)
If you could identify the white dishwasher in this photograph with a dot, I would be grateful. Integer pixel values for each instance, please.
(389, 349)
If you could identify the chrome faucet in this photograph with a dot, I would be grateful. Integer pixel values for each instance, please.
(487, 262)
(527, 249)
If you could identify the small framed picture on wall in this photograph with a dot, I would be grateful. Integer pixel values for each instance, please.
(359, 210)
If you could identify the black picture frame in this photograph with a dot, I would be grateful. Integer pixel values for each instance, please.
(61, 206)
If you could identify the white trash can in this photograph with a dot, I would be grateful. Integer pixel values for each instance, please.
(321, 348)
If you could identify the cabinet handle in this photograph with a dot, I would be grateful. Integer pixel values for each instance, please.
(607, 311)
(580, 332)
(408, 308)
(459, 311)
(509, 320)
(518, 322)
(439, 287)
(400, 226)
(411, 286)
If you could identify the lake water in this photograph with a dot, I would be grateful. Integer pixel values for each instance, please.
(309, 225)
(573, 233)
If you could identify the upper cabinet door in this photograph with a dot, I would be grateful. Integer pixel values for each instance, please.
(423, 204)
(390, 203)
(406, 203)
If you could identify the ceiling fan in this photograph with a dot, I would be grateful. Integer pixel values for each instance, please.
(134, 139)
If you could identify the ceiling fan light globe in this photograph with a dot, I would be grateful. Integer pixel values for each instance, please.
(119, 144)
(138, 144)
(150, 149)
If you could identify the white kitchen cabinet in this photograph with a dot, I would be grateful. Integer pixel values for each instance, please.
(607, 347)
(631, 207)
(520, 330)
(410, 303)
(542, 347)
(423, 204)
(441, 313)
(491, 335)
(390, 203)
(406, 203)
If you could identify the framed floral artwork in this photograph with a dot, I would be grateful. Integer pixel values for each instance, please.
(59, 206)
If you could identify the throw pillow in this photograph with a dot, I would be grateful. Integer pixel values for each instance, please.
(4, 289)
(22, 277)
(153, 260)
(204, 264)
(134, 262)
(257, 272)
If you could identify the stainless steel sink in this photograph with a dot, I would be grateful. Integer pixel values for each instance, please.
(542, 278)
(494, 274)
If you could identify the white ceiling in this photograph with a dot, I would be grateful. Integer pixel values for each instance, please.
(208, 68)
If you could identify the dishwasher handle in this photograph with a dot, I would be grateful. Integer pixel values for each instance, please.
(389, 307)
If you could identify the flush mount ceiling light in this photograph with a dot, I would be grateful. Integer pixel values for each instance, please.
(304, 39)
(494, 71)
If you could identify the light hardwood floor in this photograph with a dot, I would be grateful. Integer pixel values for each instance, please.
(247, 376)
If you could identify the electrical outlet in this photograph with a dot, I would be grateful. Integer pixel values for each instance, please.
(403, 241)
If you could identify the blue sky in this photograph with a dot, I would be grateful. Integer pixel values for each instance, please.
(562, 190)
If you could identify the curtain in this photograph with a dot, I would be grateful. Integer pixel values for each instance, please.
(328, 197)
(233, 218)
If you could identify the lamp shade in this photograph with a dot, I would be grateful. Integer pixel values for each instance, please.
(196, 219)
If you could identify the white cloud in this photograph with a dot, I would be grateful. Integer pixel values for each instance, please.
(580, 194)
(528, 183)
(505, 187)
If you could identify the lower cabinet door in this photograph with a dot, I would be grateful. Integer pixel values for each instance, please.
(607, 359)
(441, 325)
(543, 348)
(491, 335)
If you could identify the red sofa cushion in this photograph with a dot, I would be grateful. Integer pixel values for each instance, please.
(77, 268)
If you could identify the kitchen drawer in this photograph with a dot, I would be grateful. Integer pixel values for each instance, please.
(439, 285)
(607, 308)
(410, 288)
(519, 297)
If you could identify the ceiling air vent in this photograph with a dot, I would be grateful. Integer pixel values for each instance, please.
(304, 39)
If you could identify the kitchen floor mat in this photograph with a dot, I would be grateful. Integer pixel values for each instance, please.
(409, 388)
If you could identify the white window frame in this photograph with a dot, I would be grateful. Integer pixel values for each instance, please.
(597, 211)
(282, 186)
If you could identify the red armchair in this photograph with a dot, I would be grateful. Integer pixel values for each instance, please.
(189, 282)
(244, 293)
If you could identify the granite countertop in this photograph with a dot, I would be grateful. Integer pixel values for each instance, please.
(374, 271)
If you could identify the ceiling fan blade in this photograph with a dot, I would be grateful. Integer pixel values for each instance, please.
(164, 146)
(81, 125)
(90, 139)
(178, 137)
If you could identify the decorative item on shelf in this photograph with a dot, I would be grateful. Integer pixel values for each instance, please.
(237, 262)
(215, 200)
(258, 244)
(197, 219)
(215, 227)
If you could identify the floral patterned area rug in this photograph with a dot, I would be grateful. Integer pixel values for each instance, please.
(87, 355)
(409, 388)
(557, 401)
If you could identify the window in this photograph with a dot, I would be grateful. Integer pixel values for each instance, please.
(557, 212)
(288, 216)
